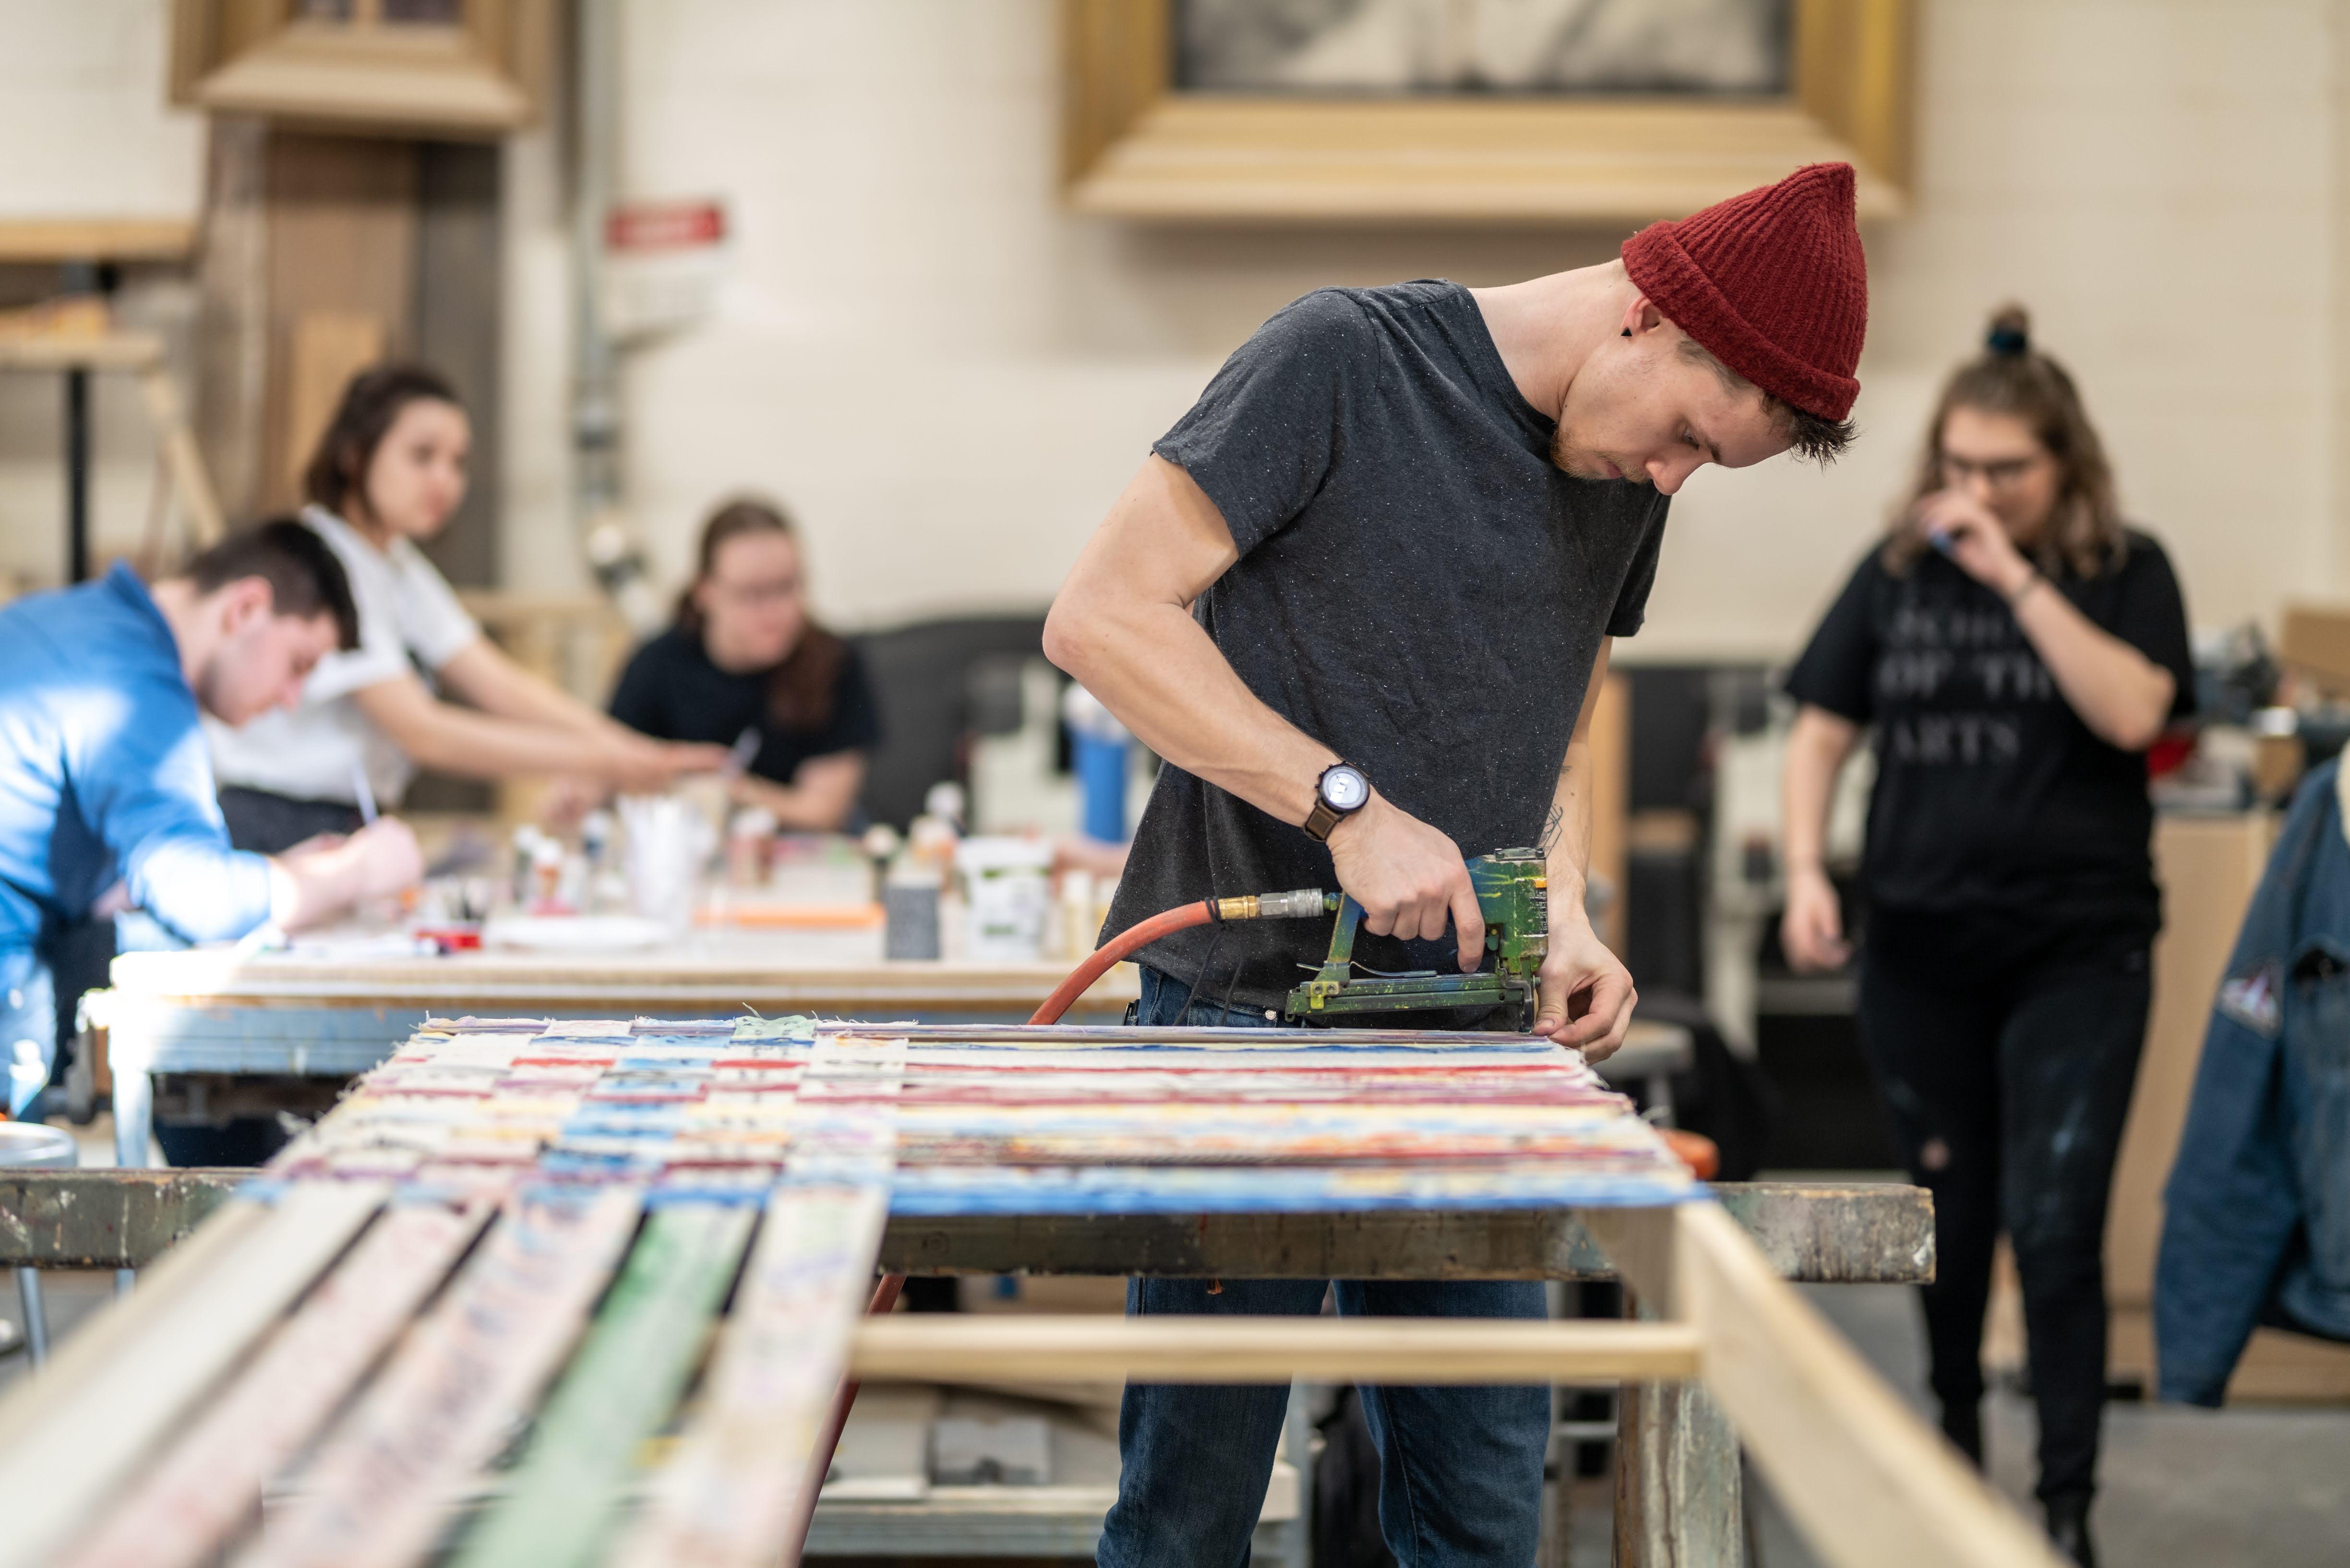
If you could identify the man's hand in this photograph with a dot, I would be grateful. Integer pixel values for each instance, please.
(1586, 991)
(316, 884)
(1407, 876)
(384, 858)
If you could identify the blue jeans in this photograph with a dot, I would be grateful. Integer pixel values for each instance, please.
(1459, 1468)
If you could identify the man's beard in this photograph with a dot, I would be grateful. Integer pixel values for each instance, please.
(216, 696)
(1578, 464)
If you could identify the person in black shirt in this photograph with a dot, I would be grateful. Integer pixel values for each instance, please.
(2016, 649)
(746, 657)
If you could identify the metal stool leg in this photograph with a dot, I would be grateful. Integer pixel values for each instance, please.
(36, 1316)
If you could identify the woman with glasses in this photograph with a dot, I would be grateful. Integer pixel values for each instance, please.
(2014, 648)
(744, 664)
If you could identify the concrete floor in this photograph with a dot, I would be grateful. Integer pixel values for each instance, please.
(2240, 1487)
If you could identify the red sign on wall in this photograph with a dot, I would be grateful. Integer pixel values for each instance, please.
(664, 225)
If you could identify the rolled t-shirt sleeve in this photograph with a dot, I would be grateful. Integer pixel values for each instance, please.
(1263, 437)
(378, 658)
(1838, 668)
(1632, 600)
(406, 607)
(431, 621)
(638, 700)
(2152, 618)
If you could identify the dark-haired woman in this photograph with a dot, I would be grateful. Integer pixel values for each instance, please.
(389, 472)
(2015, 648)
(746, 657)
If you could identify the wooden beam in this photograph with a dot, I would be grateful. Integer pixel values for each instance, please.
(232, 363)
(105, 1218)
(35, 240)
(1829, 1233)
(114, 352)
(1866, 1481)
(1676, 1484)
(126, 1381)
(985, 1349)
(182, 459)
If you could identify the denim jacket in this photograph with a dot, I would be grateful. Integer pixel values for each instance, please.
(2256, 1227)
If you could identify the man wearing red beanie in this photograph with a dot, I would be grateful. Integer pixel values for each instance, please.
(1360, 600)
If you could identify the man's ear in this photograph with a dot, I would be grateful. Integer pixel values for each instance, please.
(241, 603)
(1642, 317)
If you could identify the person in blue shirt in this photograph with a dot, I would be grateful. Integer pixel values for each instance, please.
(106, 789)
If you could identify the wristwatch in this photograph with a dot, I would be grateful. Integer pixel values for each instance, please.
(1338, 794)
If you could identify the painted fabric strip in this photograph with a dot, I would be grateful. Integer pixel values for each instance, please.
(204, 1489)
(733, 1495)
(618, 1390)
(379, 1494)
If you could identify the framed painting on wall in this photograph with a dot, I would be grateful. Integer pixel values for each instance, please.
(460, 69)
(1474, 110)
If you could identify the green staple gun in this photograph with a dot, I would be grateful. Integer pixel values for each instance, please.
(1512, 890)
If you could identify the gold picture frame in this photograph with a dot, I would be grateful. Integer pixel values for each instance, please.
(1132, 146)
(481, 74)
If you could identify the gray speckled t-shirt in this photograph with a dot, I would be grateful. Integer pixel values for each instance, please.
(1417, 588)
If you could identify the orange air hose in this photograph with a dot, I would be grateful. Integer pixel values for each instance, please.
(1081, 978)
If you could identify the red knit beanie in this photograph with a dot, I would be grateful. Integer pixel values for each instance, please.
(1773, 283)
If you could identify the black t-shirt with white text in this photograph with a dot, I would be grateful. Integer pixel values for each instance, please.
(1991, 796)
(1419, 587)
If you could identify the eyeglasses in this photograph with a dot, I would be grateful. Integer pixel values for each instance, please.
(755, 595)
(1998, 473)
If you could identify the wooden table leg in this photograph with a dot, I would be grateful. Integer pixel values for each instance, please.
(1677, 1490)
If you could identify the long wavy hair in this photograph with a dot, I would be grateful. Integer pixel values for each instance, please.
(2084, 533)
(801, 689)
(336, 475)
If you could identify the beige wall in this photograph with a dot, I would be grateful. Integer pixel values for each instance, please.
(85, 132)
(950, 378)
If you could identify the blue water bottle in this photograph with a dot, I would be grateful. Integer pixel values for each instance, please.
(1102, 757)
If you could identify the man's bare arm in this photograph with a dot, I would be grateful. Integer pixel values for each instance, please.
(1581, 980)
(1122, 625)
(1566, 833)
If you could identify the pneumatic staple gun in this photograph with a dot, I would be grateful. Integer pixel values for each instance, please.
(1512, 891)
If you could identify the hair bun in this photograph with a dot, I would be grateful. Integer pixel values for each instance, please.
(2010, 331)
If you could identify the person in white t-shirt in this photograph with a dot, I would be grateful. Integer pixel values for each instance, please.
(389, 472)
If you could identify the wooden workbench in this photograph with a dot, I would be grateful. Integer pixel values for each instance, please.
(216, 1010)
(220, 1011)
(803, 1157)
(1678, 1484)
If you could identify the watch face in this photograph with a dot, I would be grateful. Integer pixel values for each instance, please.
(1344, 789)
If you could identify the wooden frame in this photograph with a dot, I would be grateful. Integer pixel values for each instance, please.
(1863, 1476)
(1133, 147)
(1720, 1351)
(141, 355)
(1866, 1481)
(484, 76)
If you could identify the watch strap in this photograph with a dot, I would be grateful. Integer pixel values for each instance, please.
(1323, 820)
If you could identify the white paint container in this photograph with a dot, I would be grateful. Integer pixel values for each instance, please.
(1008, 895)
